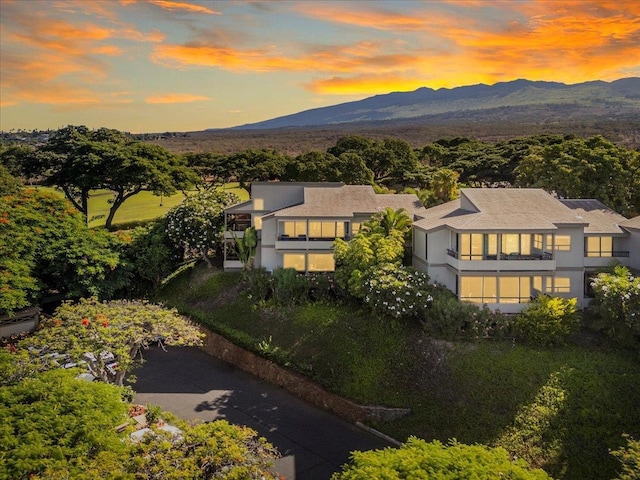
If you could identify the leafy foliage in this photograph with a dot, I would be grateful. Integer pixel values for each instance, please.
(45, 247)
(548, 320)
(399, 292)
(246, 247)
(419, 459)
(55, 426)
(197, 224)
(207, 451)
(106, 337)
(618, 305)
(79, 160)
(629, 457)
(585, 168)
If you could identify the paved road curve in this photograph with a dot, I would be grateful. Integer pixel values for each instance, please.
(193, 385)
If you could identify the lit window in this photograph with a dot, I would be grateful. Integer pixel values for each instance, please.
(599, 247)
(293, 229)
(355, 227)
(562, 285)
(562, 243)
(321, 262)
(294, 260)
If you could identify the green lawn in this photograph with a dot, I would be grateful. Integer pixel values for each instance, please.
(562, 408)
(142, 206)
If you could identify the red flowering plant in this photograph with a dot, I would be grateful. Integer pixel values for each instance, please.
(106, 338)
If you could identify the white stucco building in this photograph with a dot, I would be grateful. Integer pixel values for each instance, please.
(498, 247)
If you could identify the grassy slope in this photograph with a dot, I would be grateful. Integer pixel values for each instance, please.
(561, 408)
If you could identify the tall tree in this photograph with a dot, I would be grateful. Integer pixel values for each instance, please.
(79, 160)
(585, 168)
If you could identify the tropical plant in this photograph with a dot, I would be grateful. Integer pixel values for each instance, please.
(246, 247)
(106, 338)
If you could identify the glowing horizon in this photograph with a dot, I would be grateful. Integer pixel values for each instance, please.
(178, 65)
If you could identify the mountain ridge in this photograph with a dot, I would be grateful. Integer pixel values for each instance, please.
(592, 97)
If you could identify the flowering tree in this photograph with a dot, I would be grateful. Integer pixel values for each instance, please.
(105, 337)
(618, 304)
(400, 292)
(365, 251)
(197, 224)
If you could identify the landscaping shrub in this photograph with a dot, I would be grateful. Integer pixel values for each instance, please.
(289, 288)
(547, 320)
(629, 456)
(260, 284)
(617, 305)
(397, 291)
(419, 459)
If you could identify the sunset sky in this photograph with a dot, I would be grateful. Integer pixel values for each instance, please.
(174, 65)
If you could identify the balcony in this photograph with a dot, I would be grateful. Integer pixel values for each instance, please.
(501, 262)
(303, 242)
(502, 256)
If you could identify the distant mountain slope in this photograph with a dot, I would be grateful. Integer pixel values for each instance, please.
(589, 98)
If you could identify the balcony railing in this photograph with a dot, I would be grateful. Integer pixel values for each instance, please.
(304, 238)
(502, 256)
(238, 226)
(614, 253)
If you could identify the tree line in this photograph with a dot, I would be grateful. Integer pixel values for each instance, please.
(79, 160)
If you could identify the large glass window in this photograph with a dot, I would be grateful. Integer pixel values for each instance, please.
(293, 229)
(321, 262)
(471, 246)
(562, 285)
(562, 243)
(599, 247)
(478, 289)
(294, 260)
(326, 230)
(504, 289)
(309, 262)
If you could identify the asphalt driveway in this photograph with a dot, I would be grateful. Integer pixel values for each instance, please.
(194, 385)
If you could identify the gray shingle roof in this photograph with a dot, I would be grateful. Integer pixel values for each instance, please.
(347, 201)
(486, 209)
(632, 223)
(601, 219)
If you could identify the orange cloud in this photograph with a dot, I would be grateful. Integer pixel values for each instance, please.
(190, 7)
(175, 98)
(371, 18)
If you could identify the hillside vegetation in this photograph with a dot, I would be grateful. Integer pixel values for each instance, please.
(562, 409)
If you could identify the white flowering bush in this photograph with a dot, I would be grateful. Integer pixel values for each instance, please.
(398, 291)
(197, 224)
(618, 304)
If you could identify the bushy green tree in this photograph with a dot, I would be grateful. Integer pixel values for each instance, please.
(585, 168)
(105, 337)
(548, 320)
(45, 247)
(617, 304)
(418, 459)
(150, 257)
(55, 426)
(79, 160)
(197, 224)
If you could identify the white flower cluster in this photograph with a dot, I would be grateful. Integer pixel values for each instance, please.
(198, 222)
(397, 291)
